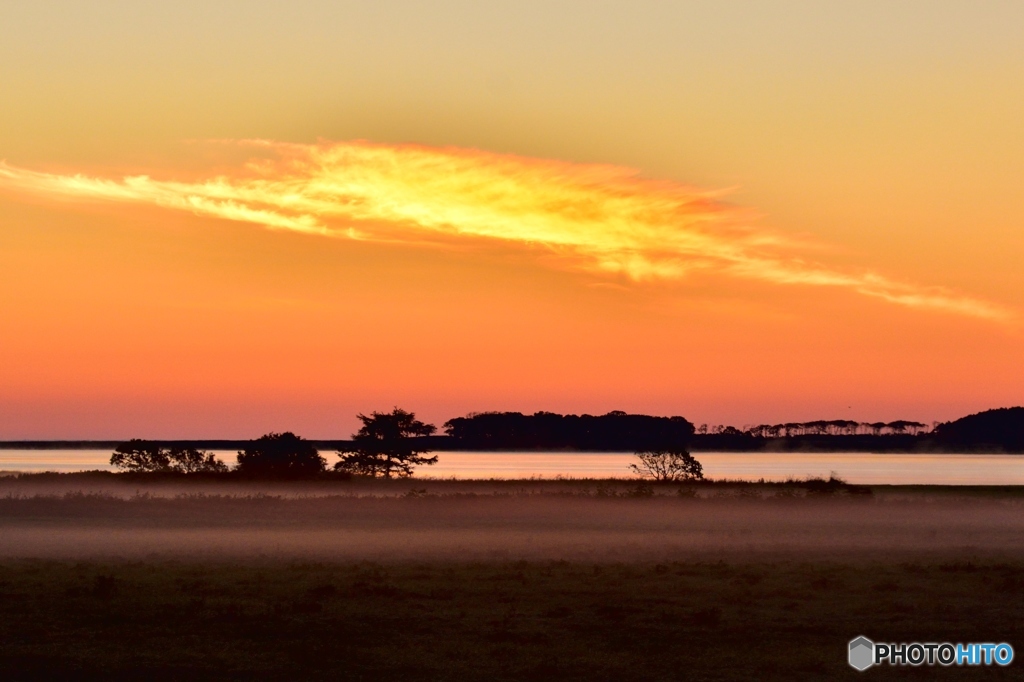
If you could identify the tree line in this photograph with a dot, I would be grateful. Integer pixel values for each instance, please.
(835, 427)
(614, 431)
(996, 430)
(386, 445)
(392, 444)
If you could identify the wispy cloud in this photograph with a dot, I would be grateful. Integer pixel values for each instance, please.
(604, 219)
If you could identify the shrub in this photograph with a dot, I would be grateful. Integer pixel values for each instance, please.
(145, 456)
(280, 455)
(668, 465)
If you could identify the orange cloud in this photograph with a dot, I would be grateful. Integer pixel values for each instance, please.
(600, 218)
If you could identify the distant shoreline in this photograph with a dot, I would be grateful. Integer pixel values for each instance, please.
(995, 431)
(884, 444)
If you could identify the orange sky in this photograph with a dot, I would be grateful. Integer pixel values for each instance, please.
(699, 211)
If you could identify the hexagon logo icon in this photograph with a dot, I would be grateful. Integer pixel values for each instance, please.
(862, 653)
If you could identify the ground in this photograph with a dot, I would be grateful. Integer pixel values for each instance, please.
(522, 583)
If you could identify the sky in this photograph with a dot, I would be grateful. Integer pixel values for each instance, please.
(223, 219)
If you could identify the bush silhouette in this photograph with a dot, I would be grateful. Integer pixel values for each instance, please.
(280, 455)
(668, 465)
(145, 456)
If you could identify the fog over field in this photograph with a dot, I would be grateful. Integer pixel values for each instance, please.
(491, 522)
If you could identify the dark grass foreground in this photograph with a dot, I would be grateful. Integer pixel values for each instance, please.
(494, 621)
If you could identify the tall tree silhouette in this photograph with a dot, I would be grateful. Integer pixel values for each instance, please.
(386, 445)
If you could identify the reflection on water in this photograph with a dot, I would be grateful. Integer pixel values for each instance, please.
(54, 460)
(862, 468)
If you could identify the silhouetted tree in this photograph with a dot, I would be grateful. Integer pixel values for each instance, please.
(917, 428)
(192, 461)
(668, 465)
(281, 455)
(142, 455)
(899, 427)
(386, 446)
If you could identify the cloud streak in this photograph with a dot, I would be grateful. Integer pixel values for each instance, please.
(598, 218)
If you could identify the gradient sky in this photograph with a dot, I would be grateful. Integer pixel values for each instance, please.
(221, 219)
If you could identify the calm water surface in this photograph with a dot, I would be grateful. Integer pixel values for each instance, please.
(863, 468)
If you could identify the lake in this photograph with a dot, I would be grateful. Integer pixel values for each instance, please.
(860, 468)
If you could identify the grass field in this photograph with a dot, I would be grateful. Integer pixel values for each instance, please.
(530, 582)
(492, 621)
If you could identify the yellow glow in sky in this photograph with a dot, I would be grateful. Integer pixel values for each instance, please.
(601, 218)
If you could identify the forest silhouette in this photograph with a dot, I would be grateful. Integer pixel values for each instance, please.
(991, 431)
(546, 430)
